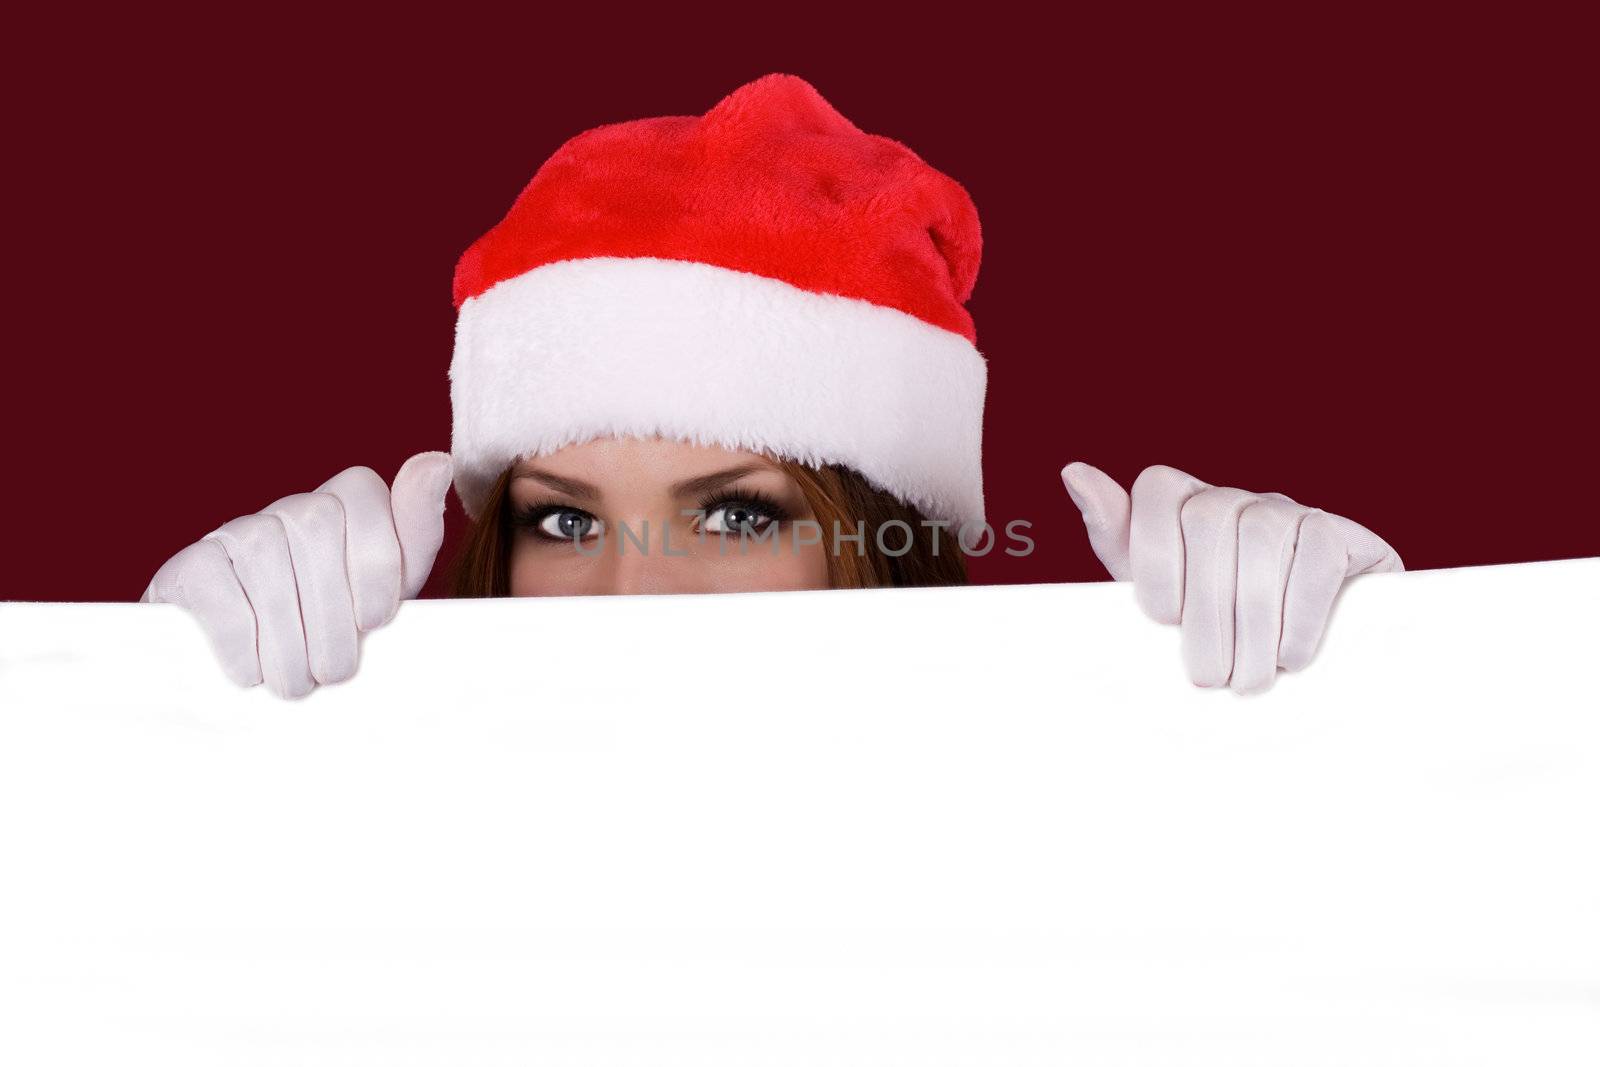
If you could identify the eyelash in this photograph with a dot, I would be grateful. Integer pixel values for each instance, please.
(530, 516)
(753, 499)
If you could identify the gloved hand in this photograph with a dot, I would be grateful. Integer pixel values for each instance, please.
(285, 593)
(1250, 576)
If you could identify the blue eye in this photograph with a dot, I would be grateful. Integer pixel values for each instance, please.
(570, 525)
(744, 515)
(557, 523)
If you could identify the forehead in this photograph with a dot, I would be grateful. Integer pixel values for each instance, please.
(632, 460)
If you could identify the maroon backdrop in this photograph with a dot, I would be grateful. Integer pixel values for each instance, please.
(1352, 260)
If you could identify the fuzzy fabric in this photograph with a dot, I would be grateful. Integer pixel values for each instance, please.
(765, 277)
(772, 181)
(605, 346)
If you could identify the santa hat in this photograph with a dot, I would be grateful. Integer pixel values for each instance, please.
(765, 277)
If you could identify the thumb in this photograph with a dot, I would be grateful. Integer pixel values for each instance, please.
(417, 498)
(1107, 514)
(1368, 553)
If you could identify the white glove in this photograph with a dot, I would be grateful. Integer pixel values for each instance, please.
(1251, 576)
(285, 593)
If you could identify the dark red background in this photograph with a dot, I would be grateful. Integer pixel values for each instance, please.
(1352, 259)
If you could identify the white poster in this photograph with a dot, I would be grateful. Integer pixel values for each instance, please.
(917, 826)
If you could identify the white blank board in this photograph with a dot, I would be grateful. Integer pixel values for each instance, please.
(963, 826)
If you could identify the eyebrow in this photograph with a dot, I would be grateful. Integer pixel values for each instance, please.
(707, 483)
(570, 486)
(704, 483)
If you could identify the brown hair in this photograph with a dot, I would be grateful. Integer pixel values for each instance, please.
(835, 494)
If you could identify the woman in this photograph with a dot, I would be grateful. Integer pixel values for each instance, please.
(723, 353)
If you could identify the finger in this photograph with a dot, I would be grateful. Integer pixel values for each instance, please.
(1268, 528)
(371, 547)
(1210, 523)
(313, 523)
(200, 579)
(259, 550)
(1106, 514)
(418, 498)
(1320, 565)
(1155, 540)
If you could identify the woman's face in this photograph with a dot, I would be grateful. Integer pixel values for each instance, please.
(624, 515)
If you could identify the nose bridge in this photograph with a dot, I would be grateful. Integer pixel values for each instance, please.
(638, 561)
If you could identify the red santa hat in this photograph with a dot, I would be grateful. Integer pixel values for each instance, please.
(765, 277)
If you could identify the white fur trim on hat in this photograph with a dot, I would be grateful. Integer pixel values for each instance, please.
(640, 347)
